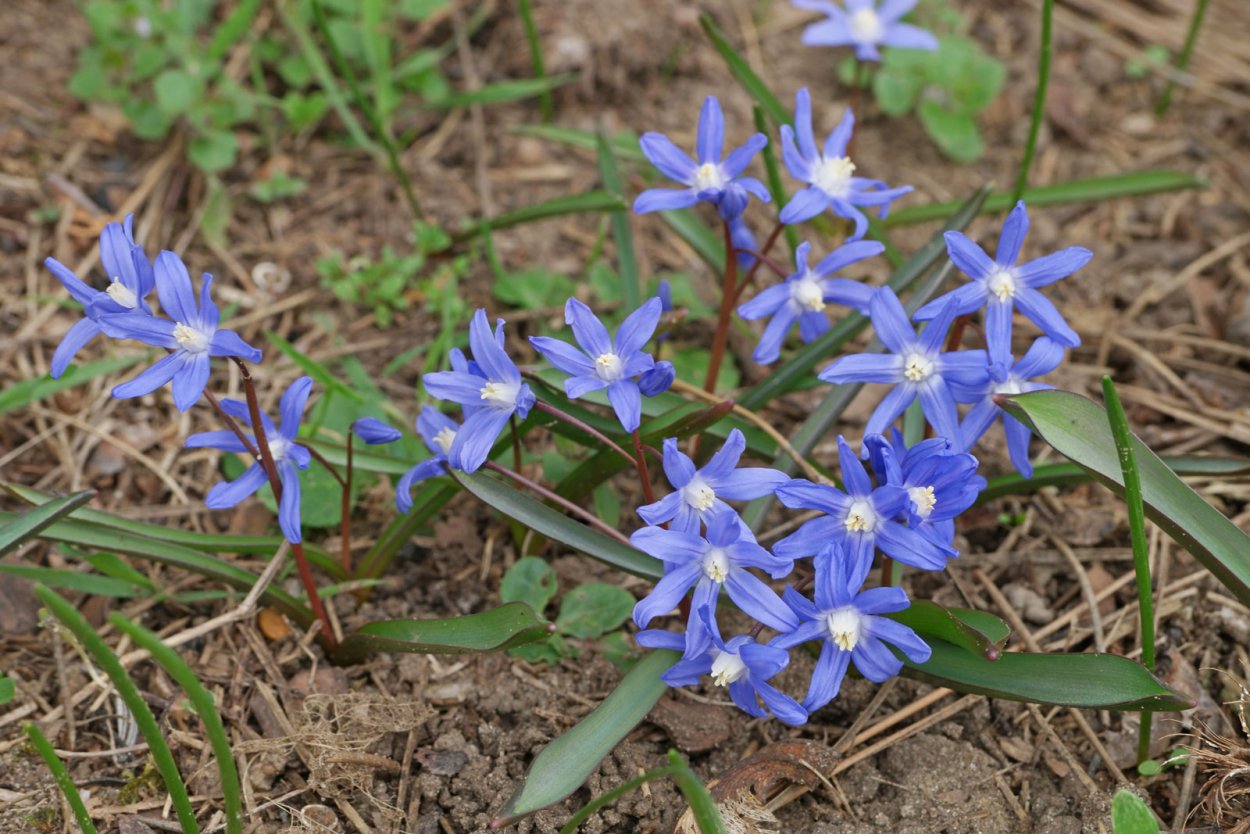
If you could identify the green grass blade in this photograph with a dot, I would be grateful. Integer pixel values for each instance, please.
(72, 580)
(129, 693)
(538, 65)
(202, 700)
(564, 764)
(706, 244)
(1182, 60)
(504, 91)
(1066, 474)
(1091, 189)
(742, 71)
(68, 789)
(776, 186)
(623, 145)
(22, 528)
(1039, 100)
(626, 259)
(587, 811)
(702, 806)
(509, 625)
(590, 202)
(27, 391)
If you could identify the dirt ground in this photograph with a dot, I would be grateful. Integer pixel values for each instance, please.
(1164, 307)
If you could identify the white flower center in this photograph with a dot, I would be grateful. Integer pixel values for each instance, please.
(866, 26)
(727, 668)
(923, 499)
(716, 564)
(917, 367)
(861, 518)
(278, 447)
(120, 293)
(501, 394)
(845, 627)
(833, 175)
(698, 494)
(1002, 282)
(709, 177)
(609, 367)
(1009, 387)
(190, 339)
(445, 437)
(807, 293)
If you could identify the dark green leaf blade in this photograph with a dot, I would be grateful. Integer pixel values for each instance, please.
(32, 390)
(590, 202)
(1065, 474)
(930, 620)
(512, 624)
(1078, 429)
(1088, 681)
(22, 528)
(565, 763)
(554, 525)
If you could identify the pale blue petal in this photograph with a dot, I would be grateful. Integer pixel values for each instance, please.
(970, 258)
(678, 468)
(666, 594)
(1050, 268)
(488, 352)
(664, 199)
(835, 144)
(865, 367)
(229, 493)
(826, 677)
(907, 36)
(151, 379)
(874, 660)
(1015, 229)
(587, 329)
(1039, 310)
(710, 140)
(804, 205)
(476, 437)
(671, 160)
(759, 601)
(83, 331)
(637, 328)
(173, 287)
(626, 401)
(739, 158)
(291, 406)
(229, 343)
(223, 439)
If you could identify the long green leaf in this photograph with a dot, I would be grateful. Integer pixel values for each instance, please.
(22, 528)
(742, 71)
(704, 242)
(129, 693)
(703, 807)
(513, 624)
(27, 391)
(626, 260)
(402, 528)
(1066, 474)
(1078, 429)
(1091, 189)
(1088, 681)
(564, 764)
(930, 620)
(72, 580)
(554, 525)
(590, 202)
(63, 780)
(503, 91)
(202, 700)
(624, 146)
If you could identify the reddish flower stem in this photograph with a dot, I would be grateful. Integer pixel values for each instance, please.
(643, 474)
(729, 294)
(556, 499)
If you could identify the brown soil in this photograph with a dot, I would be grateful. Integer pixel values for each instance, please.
(458, 734)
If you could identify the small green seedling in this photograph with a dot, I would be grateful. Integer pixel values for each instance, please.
(1129, 815)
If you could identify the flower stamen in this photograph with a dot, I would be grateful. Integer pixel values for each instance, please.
(845, 627)
(190, 339)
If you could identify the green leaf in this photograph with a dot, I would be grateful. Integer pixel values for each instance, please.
(531, 581)
(500, 628)
(1078, 429)
(31, 523)
(554, 525)
(690, 365)
(624, 145)
(59, 774)
(1093, 189)
(746, 76)
(590, 202)
(28, 391)
(627, 261)
(8, 689)
(1065, 474)
(896, 90)
(176, 90)
(1088, 681)
(534, 289)
(71, 580)
(565, 763)
(213, 151)
(504, 91)
(303, 110)
(705, 243)
(955, 133)
(593, 609)
(929, 620)
(1129, 815)
(320, 373)
(146, 119)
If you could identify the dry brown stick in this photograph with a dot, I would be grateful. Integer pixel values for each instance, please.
(1087, 589)
(1091, 787)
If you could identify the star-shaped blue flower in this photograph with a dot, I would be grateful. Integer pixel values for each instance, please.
(917, 366)
(859, 520)
(711, 180)
(288, 456)
(489, 389)
(866, 26)
(847, 621)
(191, 338)
(699, 493)
(1001, 286)
(940, 482)
(130, 281)
(805, 293)
(830, 175)
(439, 433)
(614, 364)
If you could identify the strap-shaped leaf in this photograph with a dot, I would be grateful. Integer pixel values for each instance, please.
(555, 525)
(975, 631)
(1088, 681)
(1066, 474)
(19, 529)
(565, 763)
(1078, 429)
(513, 624)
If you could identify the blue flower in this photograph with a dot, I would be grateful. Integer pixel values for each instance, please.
(803, 295)
(712, 180)
(130, 280)
(439, 433)
(744, 243)
(700, 493)
(288, 456)
(607, 363)
(916, 366)
(859, 521)
(657, 380)
(489, 389)
(191, 338)
(710, 564)
(847, 622)
(375, 432)
(1007, 379)
(865, 26)
(1001, 286)
(742, 665)
(940, 482)
(829, 175)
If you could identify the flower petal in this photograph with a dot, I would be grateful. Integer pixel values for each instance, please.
(223, 439)
(1015, 228)
(587, 329)
(637, 328)
(670, 159)
(907, 36)
(173, 287)
(664, 199)
(83, 331)
(874, 660)
(739, 158)
(476, 437)
(890, 321)
(1050, 268)
(804, 205)
(1039, 310)
(626, 401)
(678, 468)
(488, 352)
(191, 379)
(865, 367)
(826, 677)
(710, 140)
(151, 379)
(455, 386)
(840, 137)
(288, 507)
(666, 593)
(291, 406)
(759, 601)
(229, 343)
(970, 258)
(229, 493)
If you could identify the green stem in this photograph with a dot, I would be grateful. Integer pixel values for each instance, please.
(537, 64)
(345, 511)
(584, 813)
(1137, 532)
(63, 781)
(1182, 60)
(1039, 101)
